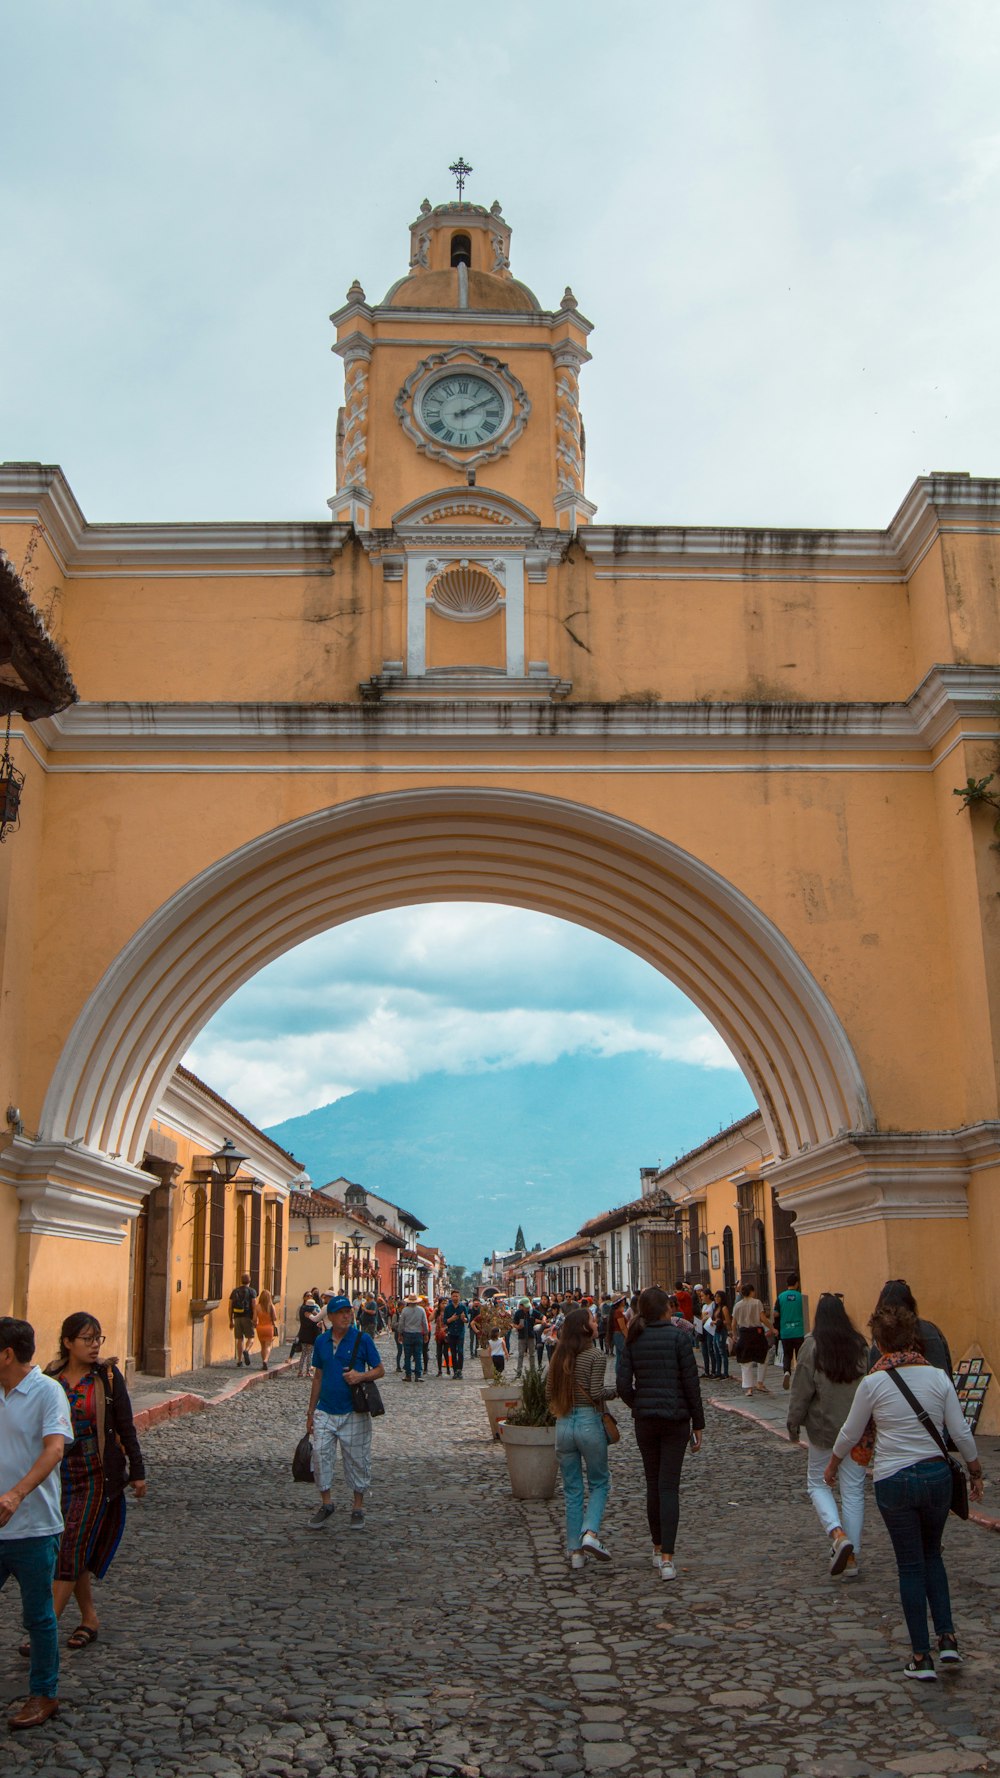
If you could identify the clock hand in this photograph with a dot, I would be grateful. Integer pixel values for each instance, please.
(461, 412)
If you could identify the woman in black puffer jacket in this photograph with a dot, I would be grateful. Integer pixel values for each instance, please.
(658, 1379)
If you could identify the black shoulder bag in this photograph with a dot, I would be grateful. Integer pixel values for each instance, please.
(365, 1397)
(959, 1485)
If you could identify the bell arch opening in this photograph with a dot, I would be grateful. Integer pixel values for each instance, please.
(405, 848)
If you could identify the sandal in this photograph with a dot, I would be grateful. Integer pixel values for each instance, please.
(24, 1648)
(82, 1636)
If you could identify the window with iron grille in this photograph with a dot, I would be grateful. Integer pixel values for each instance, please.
(786, 1246)
(198, 1241)
(279, 1230)
(216, 1240)
(254, 1267)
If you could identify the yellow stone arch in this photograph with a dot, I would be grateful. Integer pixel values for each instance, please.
(475, 844)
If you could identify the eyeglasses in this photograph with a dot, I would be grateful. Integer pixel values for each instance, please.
(92, 1339)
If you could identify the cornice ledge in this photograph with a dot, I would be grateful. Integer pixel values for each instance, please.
(74, 1192)
(486, 703)
(884, 1177)
(949, 694)
(39, 493)
(742, 552)
(942, 502)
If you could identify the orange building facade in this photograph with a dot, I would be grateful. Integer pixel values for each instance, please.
(732, 751)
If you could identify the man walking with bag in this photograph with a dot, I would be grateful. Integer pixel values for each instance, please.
(342, 1358)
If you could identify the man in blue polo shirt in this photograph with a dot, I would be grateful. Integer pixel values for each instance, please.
(341, 1357)
(35, 1427)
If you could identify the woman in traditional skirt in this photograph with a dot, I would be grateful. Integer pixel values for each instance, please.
(103, 1459)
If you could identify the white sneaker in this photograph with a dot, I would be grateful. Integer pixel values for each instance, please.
(667, 1569)
(657, 1559)
(591, 1545)
(577, 1559)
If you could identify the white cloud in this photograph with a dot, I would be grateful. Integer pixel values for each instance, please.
(787, 255)
(454, 988)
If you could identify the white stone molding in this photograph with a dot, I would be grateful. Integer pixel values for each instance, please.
(569, 444)
(355, 446)
(517, 406)
(464, 592)
(74, 1191)
(195, 1111)
(871, 1176)
(935, 506)
(470, 843)
(947, 703)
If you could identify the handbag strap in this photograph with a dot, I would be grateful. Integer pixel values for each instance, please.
(354, 1354)
(922, 1415)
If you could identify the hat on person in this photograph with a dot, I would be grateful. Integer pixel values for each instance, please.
(336, 1303)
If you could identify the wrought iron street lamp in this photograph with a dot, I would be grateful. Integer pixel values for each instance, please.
(228, 1160)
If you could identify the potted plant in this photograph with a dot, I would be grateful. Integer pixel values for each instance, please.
(494, 1318)
(501, 1397)
(529, 1442)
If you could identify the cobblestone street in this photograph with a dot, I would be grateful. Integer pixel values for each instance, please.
(450, 1636)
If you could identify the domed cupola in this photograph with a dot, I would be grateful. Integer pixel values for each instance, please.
(460, 259)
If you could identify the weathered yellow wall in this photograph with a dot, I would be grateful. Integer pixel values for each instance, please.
(58, 1277)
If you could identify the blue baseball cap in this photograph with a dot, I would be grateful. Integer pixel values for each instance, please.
(336, 1303)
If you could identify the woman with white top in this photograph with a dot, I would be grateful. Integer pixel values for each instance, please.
(750, 1349)
(912, 1476)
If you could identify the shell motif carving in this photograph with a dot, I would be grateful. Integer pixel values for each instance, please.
(466, 593)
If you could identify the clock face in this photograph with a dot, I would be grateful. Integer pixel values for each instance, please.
(461, 409)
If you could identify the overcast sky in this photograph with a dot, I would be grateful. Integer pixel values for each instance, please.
(781, 218)
(457, 987)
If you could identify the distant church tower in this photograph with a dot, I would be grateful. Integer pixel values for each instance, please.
(520, 1244)
(460, 457)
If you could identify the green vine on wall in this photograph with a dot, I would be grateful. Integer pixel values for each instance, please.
(976, 794)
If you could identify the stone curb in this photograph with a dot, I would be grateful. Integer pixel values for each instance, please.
(736, 1407)
(986, 1521)
(196, 1404)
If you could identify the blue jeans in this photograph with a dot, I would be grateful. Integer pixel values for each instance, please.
(722, 1351)
(413, 1353)
(32, 1562)
(581, 1441)
(915, 1504)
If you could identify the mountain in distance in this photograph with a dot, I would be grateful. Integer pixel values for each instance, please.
(546, 1145)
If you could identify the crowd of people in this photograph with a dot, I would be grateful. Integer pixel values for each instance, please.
(69, 1450)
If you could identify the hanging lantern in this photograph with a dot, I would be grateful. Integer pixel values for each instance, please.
(11, 782)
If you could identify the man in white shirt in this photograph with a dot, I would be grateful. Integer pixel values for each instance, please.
(35, 1427)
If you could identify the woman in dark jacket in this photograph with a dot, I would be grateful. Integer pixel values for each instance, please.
(658, 1379)
(102, 1461)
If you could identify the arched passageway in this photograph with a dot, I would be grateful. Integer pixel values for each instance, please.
(471, 845)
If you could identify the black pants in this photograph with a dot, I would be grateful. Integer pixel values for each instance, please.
(789, 1349)
(456, 1346)
(662, 1444)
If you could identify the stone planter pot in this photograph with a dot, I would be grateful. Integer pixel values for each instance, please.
(487, 1363)
(499, 1399)
(532, 1463)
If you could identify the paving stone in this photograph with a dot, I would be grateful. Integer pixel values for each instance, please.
(187, 1689)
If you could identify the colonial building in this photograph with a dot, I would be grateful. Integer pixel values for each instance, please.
(712, 1218)
(733, 750)
(340, 1250)
(215, 1207)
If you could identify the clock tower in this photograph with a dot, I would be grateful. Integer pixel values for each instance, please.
(460, 452)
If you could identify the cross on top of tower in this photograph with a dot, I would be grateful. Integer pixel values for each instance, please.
(461, 172)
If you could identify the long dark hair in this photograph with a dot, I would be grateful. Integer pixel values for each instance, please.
(574, 1336)
(841, 1351)
(654, 1305)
